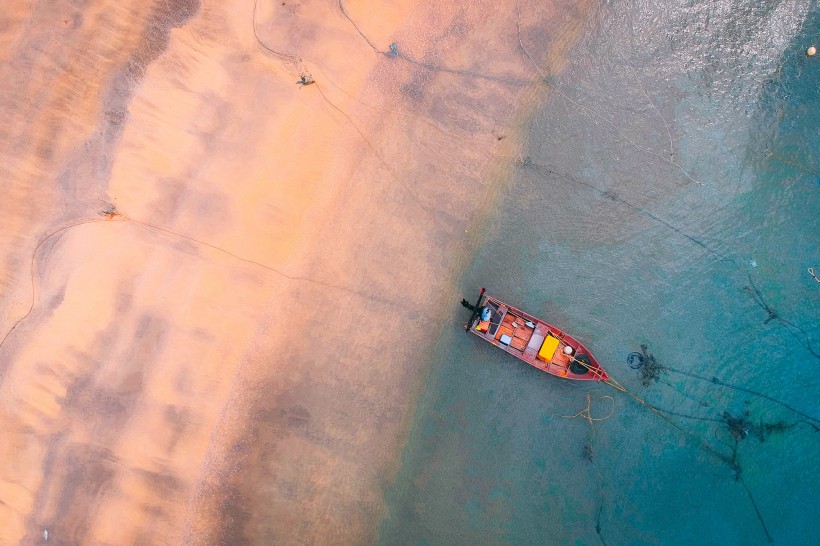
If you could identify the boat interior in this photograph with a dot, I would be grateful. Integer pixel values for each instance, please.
(516, 330)
(534, 340)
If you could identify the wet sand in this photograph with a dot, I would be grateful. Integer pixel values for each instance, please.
(233, 354)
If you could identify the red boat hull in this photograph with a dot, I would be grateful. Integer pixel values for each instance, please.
(534, 341)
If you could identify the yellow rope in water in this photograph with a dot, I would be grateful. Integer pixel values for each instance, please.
(586, 413)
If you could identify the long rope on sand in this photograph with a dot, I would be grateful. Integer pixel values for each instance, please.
(110, 214)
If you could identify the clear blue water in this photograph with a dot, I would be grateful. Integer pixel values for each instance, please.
(657, 259)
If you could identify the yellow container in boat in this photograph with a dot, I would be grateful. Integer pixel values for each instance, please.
(548, 348)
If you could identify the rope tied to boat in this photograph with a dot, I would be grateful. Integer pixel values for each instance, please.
(813, 274)
(598, 372)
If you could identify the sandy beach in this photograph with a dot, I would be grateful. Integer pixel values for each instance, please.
(230, 235)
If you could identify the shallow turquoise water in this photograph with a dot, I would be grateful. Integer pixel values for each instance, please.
(623, 248)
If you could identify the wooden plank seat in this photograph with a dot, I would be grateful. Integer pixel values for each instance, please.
(516, 328)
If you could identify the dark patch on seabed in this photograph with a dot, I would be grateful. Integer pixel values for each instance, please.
(167, 15)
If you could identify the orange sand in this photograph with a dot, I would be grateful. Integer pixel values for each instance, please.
(234, 357)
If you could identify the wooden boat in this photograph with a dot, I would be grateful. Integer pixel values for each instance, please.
(532, 340)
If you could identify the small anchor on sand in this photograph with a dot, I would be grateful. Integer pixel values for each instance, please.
(110, 212)
(305, 79)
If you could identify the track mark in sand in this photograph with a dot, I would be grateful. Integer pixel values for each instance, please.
(111, 215)
(306, 79)
(31, 266)
(393, 52)
(279, 272)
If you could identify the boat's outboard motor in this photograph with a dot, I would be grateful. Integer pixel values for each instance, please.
(467, 304)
